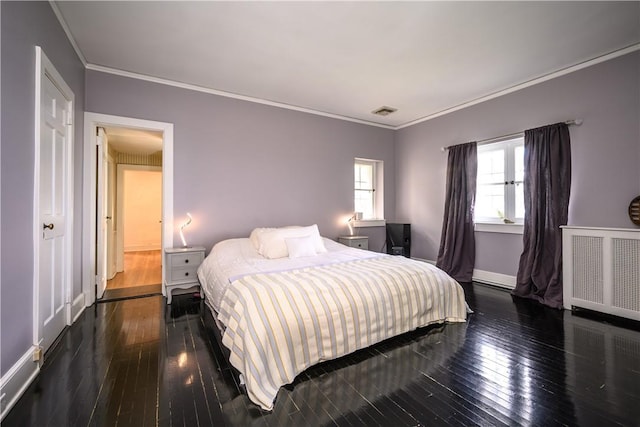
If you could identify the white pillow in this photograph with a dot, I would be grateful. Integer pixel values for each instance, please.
(300, 246)
(272, 243)
(254, 237)
(315, 233)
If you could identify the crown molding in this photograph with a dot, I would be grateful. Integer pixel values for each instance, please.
(197, 88)
(67, 31)
(603, 58)
(532, 82)
(203, 89)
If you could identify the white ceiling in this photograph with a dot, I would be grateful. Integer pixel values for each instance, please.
(134, 141)
(350, 58)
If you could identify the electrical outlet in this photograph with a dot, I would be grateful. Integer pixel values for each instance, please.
(37, 354)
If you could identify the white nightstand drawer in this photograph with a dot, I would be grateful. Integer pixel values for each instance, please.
(186, 259)
(360, 242)
(184, 274)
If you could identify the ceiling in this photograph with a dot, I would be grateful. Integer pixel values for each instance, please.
(134, 141)
(347, 59)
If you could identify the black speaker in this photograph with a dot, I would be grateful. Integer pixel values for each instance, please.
(399, 239)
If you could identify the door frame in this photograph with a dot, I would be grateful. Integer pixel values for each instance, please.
(45, 68)
(91, 122)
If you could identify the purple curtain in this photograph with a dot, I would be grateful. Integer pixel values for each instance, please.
(457, 253)
(547, 182)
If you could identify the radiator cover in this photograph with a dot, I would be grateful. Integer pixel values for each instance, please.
(602, 270)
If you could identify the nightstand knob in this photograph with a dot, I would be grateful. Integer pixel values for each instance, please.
(186, 261)
(186, 274)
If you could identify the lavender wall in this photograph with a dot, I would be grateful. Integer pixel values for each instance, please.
(605, 154)
(238, 165)
(25, 25)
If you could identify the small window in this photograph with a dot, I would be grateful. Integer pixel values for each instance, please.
(368, 189)
(499, 187)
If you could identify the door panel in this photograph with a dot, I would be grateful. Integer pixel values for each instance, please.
(54, 140)
(101, 241)
(111, 219)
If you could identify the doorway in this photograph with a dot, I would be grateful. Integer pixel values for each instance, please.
(135, 145)
(133, 213)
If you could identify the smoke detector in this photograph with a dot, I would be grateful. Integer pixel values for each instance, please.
(384, 111)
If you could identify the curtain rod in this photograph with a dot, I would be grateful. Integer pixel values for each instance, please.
(576, 122)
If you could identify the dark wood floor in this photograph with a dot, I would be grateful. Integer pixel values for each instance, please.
(140, 362)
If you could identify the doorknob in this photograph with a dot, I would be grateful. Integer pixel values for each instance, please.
(49, 226)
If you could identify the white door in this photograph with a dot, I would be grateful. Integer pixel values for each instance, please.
(103, 216)
(111, 219)
(53, 196)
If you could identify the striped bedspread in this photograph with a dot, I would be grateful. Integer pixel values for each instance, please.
(279, 324)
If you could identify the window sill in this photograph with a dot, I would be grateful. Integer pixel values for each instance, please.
(369, 223)
(487, 227)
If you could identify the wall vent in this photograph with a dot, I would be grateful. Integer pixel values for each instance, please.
(384, 111)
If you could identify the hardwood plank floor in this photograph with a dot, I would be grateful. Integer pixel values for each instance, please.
(140, 268)
(140, 362)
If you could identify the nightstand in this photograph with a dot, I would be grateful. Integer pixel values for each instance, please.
(181, 268)
(360, 242)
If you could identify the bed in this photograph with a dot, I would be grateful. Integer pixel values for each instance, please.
(286, 299)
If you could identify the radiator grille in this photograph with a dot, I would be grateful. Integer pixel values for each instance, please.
(588, 279)
(626, 273)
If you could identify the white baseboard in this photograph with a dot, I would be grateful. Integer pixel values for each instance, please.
(482, 276)
(89, 297)
(16, 380)
(77, 307)
(495, 279)
(139, 248)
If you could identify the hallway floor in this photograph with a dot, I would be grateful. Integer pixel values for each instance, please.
(142, 276)
(140, 268)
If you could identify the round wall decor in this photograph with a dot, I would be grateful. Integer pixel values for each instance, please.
(634, 210)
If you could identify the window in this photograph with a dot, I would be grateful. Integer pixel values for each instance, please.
(499, 187)
(368, 189)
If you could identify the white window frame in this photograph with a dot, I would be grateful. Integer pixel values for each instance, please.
(496, 224)
(378, 193)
